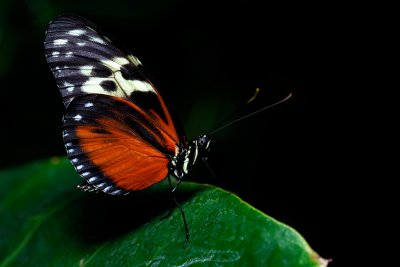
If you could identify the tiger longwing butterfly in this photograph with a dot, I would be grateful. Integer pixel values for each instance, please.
(117, 130)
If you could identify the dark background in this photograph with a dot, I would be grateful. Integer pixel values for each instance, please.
(297, 162)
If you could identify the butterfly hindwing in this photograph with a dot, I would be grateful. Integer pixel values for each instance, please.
(114, 145)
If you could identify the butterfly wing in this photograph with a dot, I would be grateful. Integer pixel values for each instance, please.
(114, 145)
(84, 61)
(118, 131)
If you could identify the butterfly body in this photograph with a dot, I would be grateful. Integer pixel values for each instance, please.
(183, 162)
(117, 129)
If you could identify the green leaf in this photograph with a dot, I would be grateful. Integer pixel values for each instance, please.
(46, 222)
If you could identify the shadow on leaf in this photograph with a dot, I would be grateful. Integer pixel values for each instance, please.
(96, 218)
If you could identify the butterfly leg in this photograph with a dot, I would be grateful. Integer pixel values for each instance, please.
(176, 186)
(172, 190)
(176, 204)
(212, 172)
(209, 167)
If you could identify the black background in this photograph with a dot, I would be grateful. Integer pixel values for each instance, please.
(298, 162)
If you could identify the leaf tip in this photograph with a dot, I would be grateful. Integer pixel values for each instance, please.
(323, 262)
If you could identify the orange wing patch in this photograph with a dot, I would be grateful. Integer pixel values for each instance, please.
(168, 135)
(113, 142)
(127, 160)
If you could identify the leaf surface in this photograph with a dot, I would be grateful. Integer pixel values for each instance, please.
(46, 222)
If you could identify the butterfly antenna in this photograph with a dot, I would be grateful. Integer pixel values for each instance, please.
(254, 96)
(219, 127)
(236, 111)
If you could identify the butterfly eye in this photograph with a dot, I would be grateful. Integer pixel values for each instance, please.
(203, 141)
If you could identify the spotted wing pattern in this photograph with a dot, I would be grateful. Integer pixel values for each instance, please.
(118, 132)
(85, 61)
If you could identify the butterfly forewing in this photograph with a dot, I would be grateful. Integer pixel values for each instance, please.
(84, 61)
(118, 132)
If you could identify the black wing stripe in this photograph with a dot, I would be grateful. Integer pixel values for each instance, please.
(84, 61)
(86, 109)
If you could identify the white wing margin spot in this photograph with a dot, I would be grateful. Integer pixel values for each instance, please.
(76, 32)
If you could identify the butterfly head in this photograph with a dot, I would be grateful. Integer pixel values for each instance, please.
(187, 157)
(203, 143)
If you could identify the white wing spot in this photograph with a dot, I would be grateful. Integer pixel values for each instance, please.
(97, 40)
(85, 173)
(141, 85)
(120, 60)
(55, 54)
(68, 54)
(92, 86)
(81, 43)
(76, 32)
(94, 178)
(74, 160)
(68, 144)
(86, 70)
(78, 117)
(124, 87)
(134, 60)
(88, 105)
(69, 86)
(108, 188)
(114, 66)
(116, 192)
(71, 150)
(100, 185)
(79, 167)
(60, 41)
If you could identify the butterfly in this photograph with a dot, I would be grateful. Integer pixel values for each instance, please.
(118, 131)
